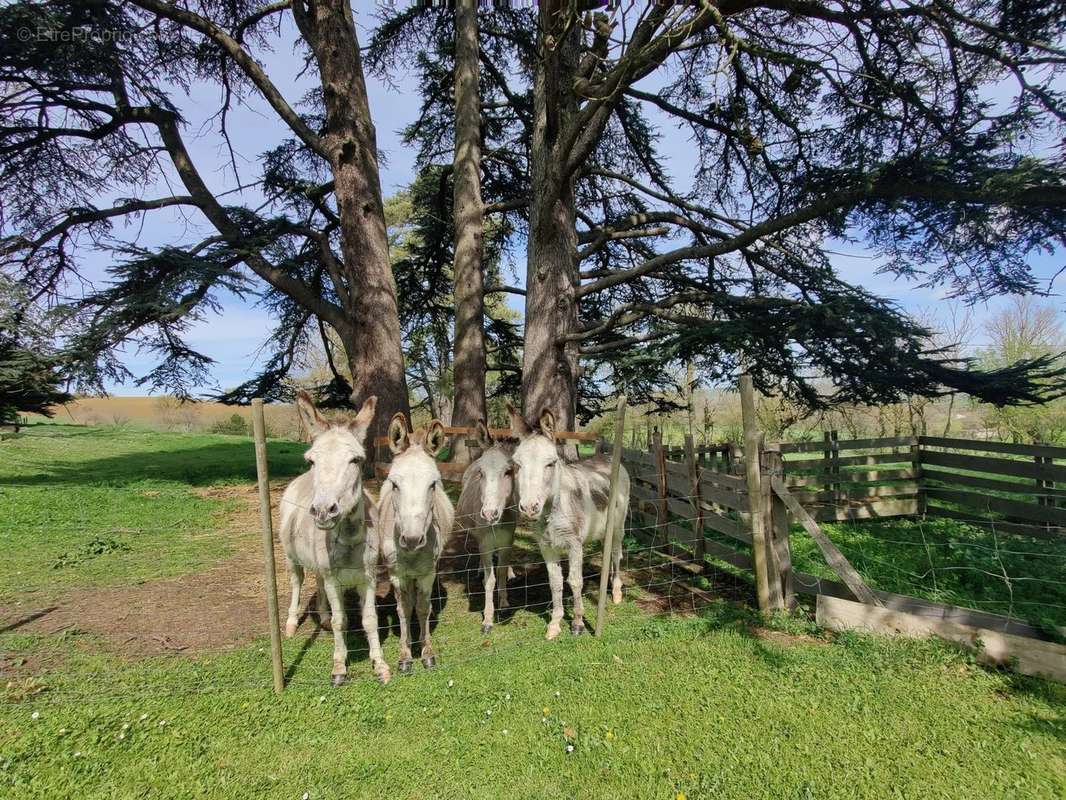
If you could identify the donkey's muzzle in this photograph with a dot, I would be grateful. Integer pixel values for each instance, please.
(325, 516)
(491, 515)
(412, 542)
(531, 510)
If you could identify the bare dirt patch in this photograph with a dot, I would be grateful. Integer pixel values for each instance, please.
(217, 609)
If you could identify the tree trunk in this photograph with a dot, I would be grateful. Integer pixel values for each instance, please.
(550, 369)
(372, 334)
(469, 214)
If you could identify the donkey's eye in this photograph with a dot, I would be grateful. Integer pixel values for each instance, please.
(357, 460)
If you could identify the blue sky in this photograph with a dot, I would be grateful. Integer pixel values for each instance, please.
(233, 338)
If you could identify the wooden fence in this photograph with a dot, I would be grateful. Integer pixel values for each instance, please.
(696, 502)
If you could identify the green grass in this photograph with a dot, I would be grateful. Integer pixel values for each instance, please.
(90, 507)
(660, 706)
(950, 562)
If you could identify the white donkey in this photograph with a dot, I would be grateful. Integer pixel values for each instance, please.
(568, 505)
(486, 509)
(415, 518)
(325, 527)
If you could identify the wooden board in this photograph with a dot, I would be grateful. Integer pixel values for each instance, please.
(858, 492)
(845, 461)
(1025, 655)
(833, 557)
(991, 504)
(875, 509)
(1044, 450)
(980, 482)
(850, 476)
(995, 466)
(814, 585)
(505, 433)
(849, 444)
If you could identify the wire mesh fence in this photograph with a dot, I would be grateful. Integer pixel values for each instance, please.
(102, 577)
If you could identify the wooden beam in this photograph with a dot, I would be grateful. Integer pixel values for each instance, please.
(1027, 656)
(833, 557)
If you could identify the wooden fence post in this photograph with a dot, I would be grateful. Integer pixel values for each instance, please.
(608, 535)
(698, 544)
(763, 586)
(916, 468)
(778, 523)
(661, 510)
(267, 527)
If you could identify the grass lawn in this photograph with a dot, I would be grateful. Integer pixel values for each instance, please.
(702, 706)
(950, 562)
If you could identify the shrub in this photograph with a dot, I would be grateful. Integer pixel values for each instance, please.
(235, 425)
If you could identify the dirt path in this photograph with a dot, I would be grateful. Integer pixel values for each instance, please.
(216, 609)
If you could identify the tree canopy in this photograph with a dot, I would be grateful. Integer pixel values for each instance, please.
(929, 133)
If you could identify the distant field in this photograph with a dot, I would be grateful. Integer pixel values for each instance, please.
(167, 414)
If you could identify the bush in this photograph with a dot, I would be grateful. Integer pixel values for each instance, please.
(234, 426)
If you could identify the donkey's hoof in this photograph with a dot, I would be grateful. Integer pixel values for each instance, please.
(486, 628)
(290, 629)
(577, 628)
(553, 631)
(616, 596)
(429, 662)
(405, 666)
(382, 673)
(338, 680)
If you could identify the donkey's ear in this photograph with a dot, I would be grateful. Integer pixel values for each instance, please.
(484, 438)
(518, 425)
(399, 433)
(547, 423)
(361, 421)
(314, 421)
(434, 437)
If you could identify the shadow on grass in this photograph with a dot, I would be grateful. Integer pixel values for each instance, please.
(196, 465)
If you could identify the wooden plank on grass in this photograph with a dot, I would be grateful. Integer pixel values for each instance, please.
(1025, 655)
(995, 466)
(998, 505)
(1045, 450)
(833, 557)
(814, 585)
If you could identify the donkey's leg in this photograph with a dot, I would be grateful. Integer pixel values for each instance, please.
(616, 556)
(404, 600)
(576, 580)
(503, 574)
(368, 604)
(616, 567)
(340, 624)
(555, 580)
(489, 579)
(322, 603)
(424, 607)
(296, 579)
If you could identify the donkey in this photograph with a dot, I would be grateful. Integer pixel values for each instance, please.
(567, 503)
(415, 517)
(487, 510)
(325, 521)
